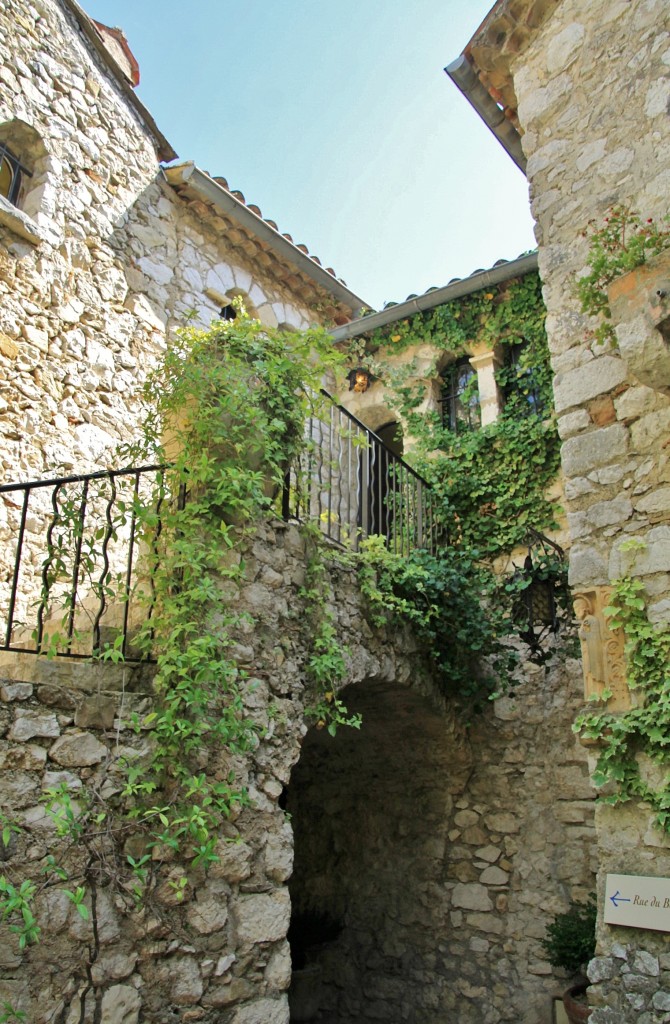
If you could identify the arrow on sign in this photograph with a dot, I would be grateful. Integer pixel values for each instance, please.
(617, 899)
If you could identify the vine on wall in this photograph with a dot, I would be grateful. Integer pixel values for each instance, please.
(491, 483)
(624, 241)
(227, 409)
(622, 737)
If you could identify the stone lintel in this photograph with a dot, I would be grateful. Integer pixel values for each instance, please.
(20, 223)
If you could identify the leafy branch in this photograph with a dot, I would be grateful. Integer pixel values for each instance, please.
(644, 729)
(622, 243)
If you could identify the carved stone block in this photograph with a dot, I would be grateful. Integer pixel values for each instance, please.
(603, 655)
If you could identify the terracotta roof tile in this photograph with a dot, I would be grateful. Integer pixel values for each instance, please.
(454, 280)
(257, 210)
(245, 237)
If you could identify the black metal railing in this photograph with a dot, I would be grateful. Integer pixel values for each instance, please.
(353, 486)
(70, 580)
(76, 578)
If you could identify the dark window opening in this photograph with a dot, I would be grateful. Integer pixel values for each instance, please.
(459, 397)
(521, 381)
(378, 480)
(228, 312)
(11, 173)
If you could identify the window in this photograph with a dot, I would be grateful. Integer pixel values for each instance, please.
(521, 383)
(23, 173)
(459, 396)
(11, 173)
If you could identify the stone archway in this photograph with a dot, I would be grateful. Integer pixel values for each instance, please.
(370, 812)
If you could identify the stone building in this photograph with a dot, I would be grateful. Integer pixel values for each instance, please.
(104, 253)
(437, 854)
(579, 95)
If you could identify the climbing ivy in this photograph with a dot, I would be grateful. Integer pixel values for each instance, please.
(226, 410)
(326, 666)
(228, 407)
(645, 729)
(491, 484)
(621, 243)
(455, 606)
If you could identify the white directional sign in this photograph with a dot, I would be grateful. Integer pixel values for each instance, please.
(637, 901)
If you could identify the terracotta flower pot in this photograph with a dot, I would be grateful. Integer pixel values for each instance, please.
(576, 1009)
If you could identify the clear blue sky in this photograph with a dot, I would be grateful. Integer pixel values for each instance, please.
(337, 119)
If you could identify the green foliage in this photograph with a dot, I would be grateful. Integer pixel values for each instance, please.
(490, 484)
(16, 905)
(571, 937)
(326, 666)
(502, 314)
(226, 409)
(644, 729)
(621, 244)
(10, 1015)
(8, 828)
(453, 604)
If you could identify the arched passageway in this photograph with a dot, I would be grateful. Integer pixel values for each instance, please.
(370, 813)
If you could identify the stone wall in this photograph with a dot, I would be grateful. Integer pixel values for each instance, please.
(593, 91)
(441, 843)
(442, 864)
(115, 259)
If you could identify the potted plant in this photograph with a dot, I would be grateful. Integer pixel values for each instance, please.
(570, 944)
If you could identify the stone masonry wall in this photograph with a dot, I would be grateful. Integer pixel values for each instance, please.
(443, 865)
(443, 850)
(594, 93)
(85, 312)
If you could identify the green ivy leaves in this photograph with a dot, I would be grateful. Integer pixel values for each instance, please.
(644, 729)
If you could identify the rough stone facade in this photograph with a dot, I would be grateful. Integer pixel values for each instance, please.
(441, 867)
(593, 91)
(103, 258)
(440, 850)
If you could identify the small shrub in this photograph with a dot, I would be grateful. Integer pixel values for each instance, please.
(571, 937)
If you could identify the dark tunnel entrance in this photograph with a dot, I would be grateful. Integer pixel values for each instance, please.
(369, 810)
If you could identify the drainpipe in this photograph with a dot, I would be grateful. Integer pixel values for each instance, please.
(464, 77)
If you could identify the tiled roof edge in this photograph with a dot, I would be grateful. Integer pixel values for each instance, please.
(502, 271)
(213, 191)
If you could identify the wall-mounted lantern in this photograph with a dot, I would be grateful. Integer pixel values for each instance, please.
(542, 586)
(359, 379)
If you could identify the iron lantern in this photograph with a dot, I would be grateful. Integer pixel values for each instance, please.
(536, 610)
(359, 379)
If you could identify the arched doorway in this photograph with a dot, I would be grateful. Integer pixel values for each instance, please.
(378, 480)
(370, 814)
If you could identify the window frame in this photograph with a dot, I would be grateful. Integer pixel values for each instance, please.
(457, 415)
(18, 171)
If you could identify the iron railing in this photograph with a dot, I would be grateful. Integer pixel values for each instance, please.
(354, 486)
(76, 577)
(70, 582)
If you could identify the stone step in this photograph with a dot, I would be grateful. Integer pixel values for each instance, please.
(76, 673)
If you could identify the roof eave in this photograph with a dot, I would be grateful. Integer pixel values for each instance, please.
(164, 150)
(455, 290)
(212, 192)
(463, 75)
